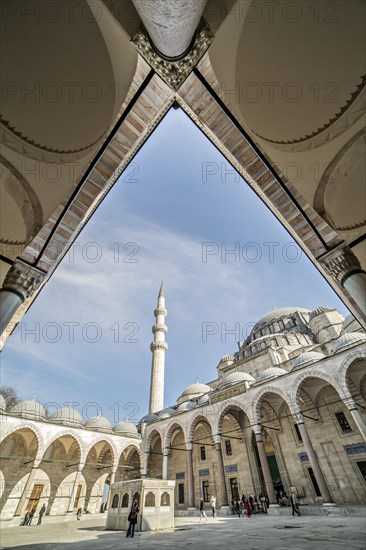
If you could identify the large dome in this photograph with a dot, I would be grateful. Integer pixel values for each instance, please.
(271, 373)
(278, 313)
(347, 340)
(66, 415)
(125, 428)
(29, 409)
(98, 423)
(236, 377)
(307, 358)
(193, 391)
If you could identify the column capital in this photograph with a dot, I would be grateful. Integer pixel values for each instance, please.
(257, 429)
(217, 439)
(189, 445)
(298, 417)
(23, 279)
(350, 403)
(340, 263)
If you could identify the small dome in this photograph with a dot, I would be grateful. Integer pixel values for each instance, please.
(165, 413)
(318, 310)
(350, 324)
(227, 359)
(237, 377)
(2, 403)
(186, 406)
(148, 418)
(271, 372)
(125, 428)
(307, 358)
(196, 389)
(29, 409)
(347, 340)
(98, 423)
(66, 415)
(204, 399)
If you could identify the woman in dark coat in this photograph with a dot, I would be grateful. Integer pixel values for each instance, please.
(132, 518)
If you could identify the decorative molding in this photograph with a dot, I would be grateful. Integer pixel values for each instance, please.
(23, 278)
(174, 72)
(331, 121)
(158, 345)
(340, 263)
(232, 392)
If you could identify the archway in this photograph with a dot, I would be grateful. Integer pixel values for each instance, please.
(177, 465)
(129, 465)
(155, 455)
(207, 480)
(97, 469)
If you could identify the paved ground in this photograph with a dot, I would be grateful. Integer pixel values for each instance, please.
(232, 533)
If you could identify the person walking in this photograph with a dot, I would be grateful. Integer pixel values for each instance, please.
(213, 505)
(26, 519)
(202, 510)
(31, 514)
(41, 513)
(294, 504)
(132, 518)
(247, 507)
(237, 506)
(78, 514)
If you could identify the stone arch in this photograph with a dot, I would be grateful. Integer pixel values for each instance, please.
(260, 394)
(224, 410)
(342, 373)
(130, 448)
(194, 423)
(32, 428)
(67, 433)
(325, 377)
(170, 430)
(152, 434)
(107, 440)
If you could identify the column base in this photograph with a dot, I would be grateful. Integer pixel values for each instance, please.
(329, 504)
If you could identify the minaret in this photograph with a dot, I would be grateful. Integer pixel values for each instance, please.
(158, 348)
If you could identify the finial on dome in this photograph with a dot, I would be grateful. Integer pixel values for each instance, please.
(197, 381)
(161, 291)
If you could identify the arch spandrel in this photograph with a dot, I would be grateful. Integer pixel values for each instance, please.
(342, 373)
(66, 433)
(32, 428)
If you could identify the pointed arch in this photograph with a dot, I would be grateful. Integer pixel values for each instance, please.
(106, 440)
(152, 434)
(325, 377)
(66, 433)
(354, 356)
(199, 417)
(175, 424)
(26, 426)
(224, 409)
(256, 404)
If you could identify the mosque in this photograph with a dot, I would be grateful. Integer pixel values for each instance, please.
(286, 410)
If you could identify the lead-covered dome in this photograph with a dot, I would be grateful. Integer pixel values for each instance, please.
(148, 418)
(98, 423)
(350, 324)
(193, 391)
(271, 373)
(165, 413)
(347, 340)
(125, 428)
(318, 310)
(30, 409)
(67, 416)
(236, 377)
(307, 358)
(278, 314)
(186, 406)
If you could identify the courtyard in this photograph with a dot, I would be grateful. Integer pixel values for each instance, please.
(256, 533)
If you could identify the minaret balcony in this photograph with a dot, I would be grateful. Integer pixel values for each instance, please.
(159, 328)
(160, 311)
(158, 345)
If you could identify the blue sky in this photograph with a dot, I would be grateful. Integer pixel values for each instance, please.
(174, 215)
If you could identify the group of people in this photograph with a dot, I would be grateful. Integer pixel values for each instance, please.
(30, 514)
(245, 507)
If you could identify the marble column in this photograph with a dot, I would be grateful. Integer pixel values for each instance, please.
(75, 488)
(356, 415)
(20, 282)
(224, 501)
(27, 488)
(265, 468)
(318, 474)
(113, 477)
(190, 476)
(344, 268)
(165, 464)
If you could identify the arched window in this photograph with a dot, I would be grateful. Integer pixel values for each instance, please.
(136, 496)
(115, 501)
(125, 500)
(165, 499)
(150, 499)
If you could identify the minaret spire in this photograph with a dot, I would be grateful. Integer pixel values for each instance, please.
(158, 348)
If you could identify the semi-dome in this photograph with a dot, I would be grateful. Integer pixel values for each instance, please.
(271, 372)
(235, 377)
(186, 406)
(307, 358)
(2, 403)
(350, 324)
(148, 418)
(318, 310)
(66, 415)
(29, 409)
(125, 428)
(165, 413)
(347, 340)
(98, 423)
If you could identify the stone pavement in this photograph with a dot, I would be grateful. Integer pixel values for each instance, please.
(256, 533)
